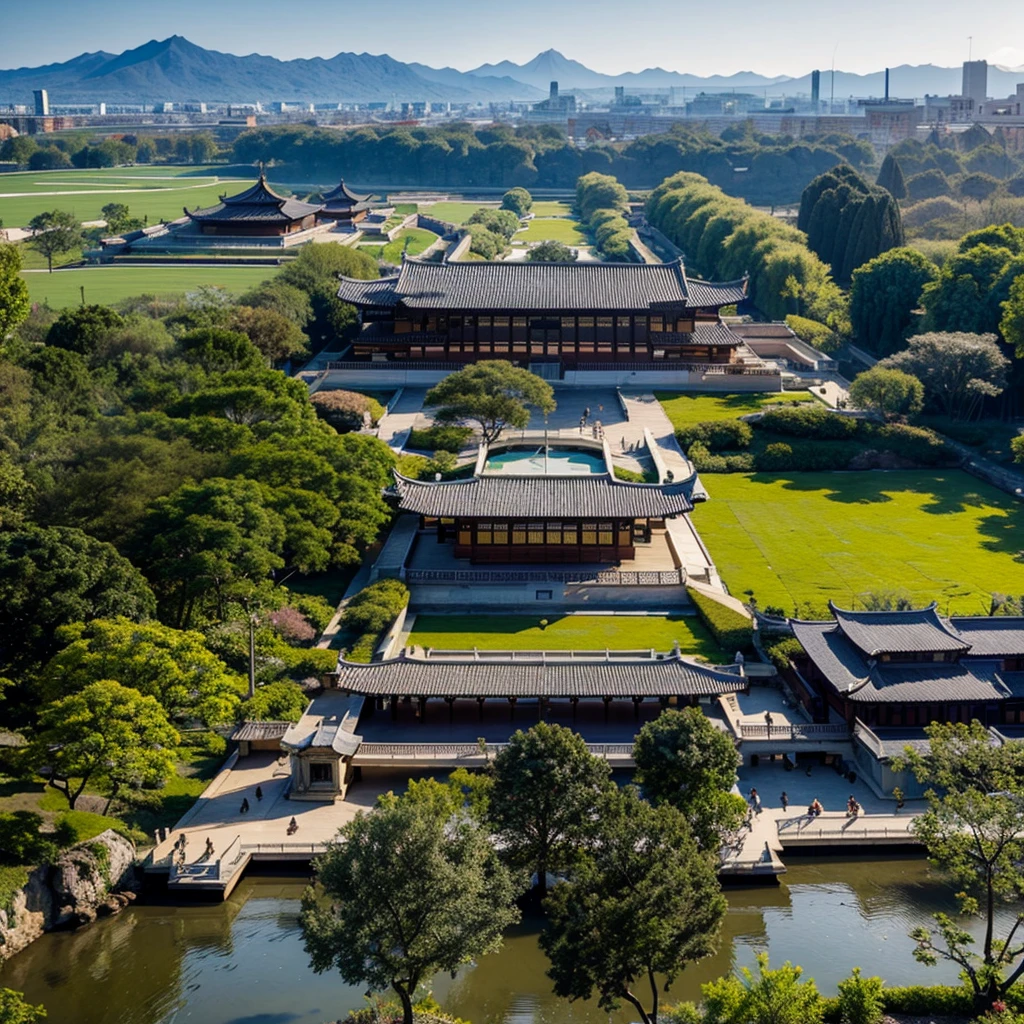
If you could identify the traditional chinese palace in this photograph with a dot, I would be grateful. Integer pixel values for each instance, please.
(910, 668)
(592, 518)
(342, 204)
(576, 313)
(258, 211)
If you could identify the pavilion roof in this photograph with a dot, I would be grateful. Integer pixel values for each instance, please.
(915, 631)
(341, 191)
(543, 676)
(991, 636)
(544, 287)
(259, 203)
(592, 495)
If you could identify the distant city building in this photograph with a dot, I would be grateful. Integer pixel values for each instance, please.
(975, 81)
(42, 102)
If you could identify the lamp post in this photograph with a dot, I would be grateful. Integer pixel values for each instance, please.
(251, 615)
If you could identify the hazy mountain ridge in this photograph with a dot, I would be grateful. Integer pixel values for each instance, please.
(176, 70)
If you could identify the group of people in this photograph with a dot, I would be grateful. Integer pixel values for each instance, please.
(852, 807)
(244, 809)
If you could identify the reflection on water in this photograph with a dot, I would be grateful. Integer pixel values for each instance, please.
(242, 962)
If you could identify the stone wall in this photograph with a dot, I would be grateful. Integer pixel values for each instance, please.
(87, 881)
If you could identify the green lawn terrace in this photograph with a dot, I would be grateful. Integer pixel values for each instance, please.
(694, 407)
(156, 193)
(796, 541)
(617, 632)
(104, 285)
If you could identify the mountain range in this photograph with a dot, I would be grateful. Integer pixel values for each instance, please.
(176, 70)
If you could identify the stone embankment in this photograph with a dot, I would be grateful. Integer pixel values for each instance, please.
(93, 879)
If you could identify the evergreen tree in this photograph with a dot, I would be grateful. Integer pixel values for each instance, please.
(890, 177)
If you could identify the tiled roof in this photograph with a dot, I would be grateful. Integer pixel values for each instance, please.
(379, 293)
(715, 335)
(341, 193)
(991, 636)
(593, 495)
(892, 741)
(836, 658)
(435, 677)
(919, 631)
(258, 203)
(260, 731)
(552, 287)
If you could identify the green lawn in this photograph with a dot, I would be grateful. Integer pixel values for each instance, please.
(683, 409)
(799, 540)
(156, 193)
(548, 208)
(552, 229)
(454, 213)
(565, 633)
(109, 284)
(418, 238)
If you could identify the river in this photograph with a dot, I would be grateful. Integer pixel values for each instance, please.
(242, 962)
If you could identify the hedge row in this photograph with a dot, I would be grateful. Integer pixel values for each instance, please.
(731, 630)
(705, 461)
(440, 439)
(602, 203)
(370, 613)
(716, 434)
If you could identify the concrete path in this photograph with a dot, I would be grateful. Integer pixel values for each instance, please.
(405, 414)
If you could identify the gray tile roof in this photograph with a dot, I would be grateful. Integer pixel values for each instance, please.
(836, 658)
(920, 630)
(539, 287)
(993, 636)
(716, 335)
(259, 203)
(893, 740)
(378, 294)
(436, 677)
(342, 195)
(594, 495)
(260, 731)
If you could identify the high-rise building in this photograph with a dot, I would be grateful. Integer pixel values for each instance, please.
(975, 84)
(42, 99)
(815, 86)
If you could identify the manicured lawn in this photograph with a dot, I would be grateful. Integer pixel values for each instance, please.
(159, 195)
(565, 633)
(418, 238)
(552, 229)
(798, 540)
(109, 284)
(548, 208)
(454, 213)
(698, 408)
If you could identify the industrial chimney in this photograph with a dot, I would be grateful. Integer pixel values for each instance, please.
(886, 85)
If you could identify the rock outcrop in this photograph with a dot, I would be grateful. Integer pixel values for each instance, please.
(92, 879)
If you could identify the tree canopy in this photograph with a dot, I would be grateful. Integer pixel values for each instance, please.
(552, 252)
(888, 392)
(493, 394)
(890, 177)
(14, 302)
(518, 200)
(55, 233)
(407, 890)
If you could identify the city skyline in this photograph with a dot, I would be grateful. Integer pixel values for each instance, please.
(464, 35)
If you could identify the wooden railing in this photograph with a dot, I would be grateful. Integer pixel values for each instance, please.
(405, 752)
(604, 578)
(798, 731)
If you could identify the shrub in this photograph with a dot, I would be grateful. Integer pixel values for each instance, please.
(731, 630)
(275, 702)
(344, 410)
(440, 439)
(371, 612)
(705, 462)
(629, 475)
(21, 841)
(292, 625)
(205, 741)
(808, 421)
(966, 433)
(817, 335)
(917, 445)
(777, 456)
(781, 651)
(925, 1000)
(716, 434)
(860, 999)
(518, 200)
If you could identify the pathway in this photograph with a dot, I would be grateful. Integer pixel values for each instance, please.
(393, 428)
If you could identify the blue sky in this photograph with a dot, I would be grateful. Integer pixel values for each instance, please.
(712, 36)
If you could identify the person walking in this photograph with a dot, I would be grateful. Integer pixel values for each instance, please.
(755, 801)
(245, 805)
(259, 793)
(768, 723)
(785, 801)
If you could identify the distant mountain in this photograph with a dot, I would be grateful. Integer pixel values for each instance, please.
(176, 70)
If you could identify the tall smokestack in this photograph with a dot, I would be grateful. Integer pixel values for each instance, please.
(815, 87)
(887, 83)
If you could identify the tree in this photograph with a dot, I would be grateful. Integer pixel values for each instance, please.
(55, 576)
(1017, 447)
(493, 394)
(14, 1009)
(958, 370)
(883, 295)
(552, 252)
(643, 903)
(55, 233)
(217, 350)
(107, 735)
(14, 301)
(974, 830)
(407, 891)
(280, 701)
(543, 825)
(596, 191)
(83, 329)
(518, 200)
(890, 177)
(683, 760)
(890, 393)
(503, 223)
(1011, 326)
(118, 219)
(173, 666)
(274, 334)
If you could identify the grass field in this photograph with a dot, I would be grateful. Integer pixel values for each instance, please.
(419, 239)
(454, 213)
(159, 193)
(697, 408)
(548, 208)
(553, 229)
(109, 284)
(566, 632)
(798, 540)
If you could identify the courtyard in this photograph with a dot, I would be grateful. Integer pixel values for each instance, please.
(796, 541)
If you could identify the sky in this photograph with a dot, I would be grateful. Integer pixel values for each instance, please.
(786, 37)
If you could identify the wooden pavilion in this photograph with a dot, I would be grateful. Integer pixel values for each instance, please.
(344, 205)
(257, 212)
